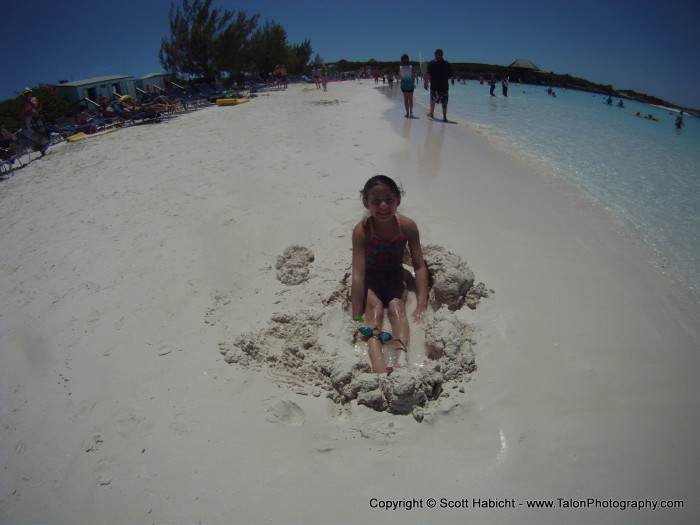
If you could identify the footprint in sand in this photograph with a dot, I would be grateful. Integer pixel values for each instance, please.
(339, 412)
(218, 301)
(103, 472)
(92, 443)
(180, 425)
(284, 411)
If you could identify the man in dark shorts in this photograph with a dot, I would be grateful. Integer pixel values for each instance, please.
(439, 73)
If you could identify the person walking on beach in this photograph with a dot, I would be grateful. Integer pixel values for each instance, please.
(505, 86)
(408, 84)
(324, 81)
(438, 75)
(378, 276)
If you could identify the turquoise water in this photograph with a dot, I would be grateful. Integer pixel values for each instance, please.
(646, 173)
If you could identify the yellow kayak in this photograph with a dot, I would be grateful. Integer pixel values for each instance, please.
(81, 136)
(230, 101)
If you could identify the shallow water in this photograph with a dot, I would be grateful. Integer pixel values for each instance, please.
(645, 172)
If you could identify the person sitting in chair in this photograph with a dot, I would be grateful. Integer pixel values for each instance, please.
(7, 140)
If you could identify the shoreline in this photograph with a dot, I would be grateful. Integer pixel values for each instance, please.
(129, 259)
(676, 277)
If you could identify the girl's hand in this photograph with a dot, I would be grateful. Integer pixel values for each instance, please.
(419, 314)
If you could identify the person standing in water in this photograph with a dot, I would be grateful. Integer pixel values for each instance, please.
(679, 121)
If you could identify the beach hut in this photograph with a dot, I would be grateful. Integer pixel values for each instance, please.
(524, 71)
(153, 81)
(93, 88)
(521, 63)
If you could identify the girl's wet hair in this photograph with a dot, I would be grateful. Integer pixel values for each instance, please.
(381, 180)
(404, 57)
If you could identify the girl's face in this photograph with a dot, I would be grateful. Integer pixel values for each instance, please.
(381, 202)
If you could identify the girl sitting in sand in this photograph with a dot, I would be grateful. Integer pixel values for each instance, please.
(378, 275)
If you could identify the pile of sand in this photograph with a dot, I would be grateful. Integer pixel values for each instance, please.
(292, 351)
(293, 265)
(451, 280)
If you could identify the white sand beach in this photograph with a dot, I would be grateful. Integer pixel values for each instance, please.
(155, 368)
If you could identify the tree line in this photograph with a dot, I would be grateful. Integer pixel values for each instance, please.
(212, 43)
(206, 44)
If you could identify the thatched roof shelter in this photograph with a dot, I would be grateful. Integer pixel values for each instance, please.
(521, 63)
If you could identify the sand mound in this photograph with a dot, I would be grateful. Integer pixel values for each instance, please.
(315, 351)
(293, 265)
(452, 281)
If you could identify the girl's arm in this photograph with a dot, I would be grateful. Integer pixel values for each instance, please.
(357, 289)
(420, 268)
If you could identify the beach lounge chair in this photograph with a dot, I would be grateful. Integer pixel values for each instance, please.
(208, 92)
(7, 161)
(60, 132)
(190, 97)
(131, 118)
(20, 157)
(221, 90)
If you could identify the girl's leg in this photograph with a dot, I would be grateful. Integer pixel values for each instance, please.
(396, 310)
(374, 318)
(410, 104)
(399, 321)
(405, 102)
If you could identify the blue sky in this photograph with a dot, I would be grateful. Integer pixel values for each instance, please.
(649, 46)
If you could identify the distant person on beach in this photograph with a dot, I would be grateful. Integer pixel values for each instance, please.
(408, 84)
(106, 109)
(492, 83)
(438, 75)
(131, 106)
(85, 121)
(505, 86)
(324, 81)
(7, 140)
(620, 104)
(317, 77)
(32, 122)
(378, 275)
(30, 107)
(280, 75)
(285, 80)
(6, 135)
